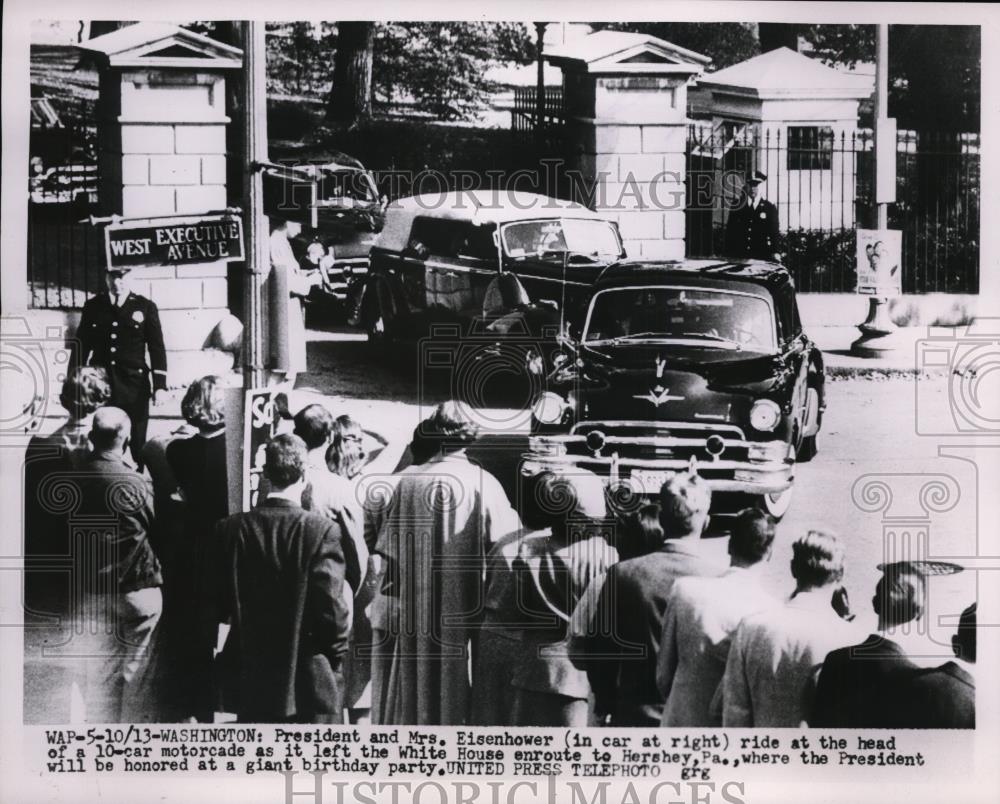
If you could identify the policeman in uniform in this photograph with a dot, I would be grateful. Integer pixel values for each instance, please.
(116, 329)
(752, 230)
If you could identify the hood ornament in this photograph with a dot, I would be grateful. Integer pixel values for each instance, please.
(658, 395)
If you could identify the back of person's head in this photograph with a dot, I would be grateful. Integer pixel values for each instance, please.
(450, 427)
(314, 425)
(964, 641)
(641, 532)
(817, 560)
(900, 595)
(84, 390)
(346, 456)
(111, 430)
(684, 502)
(564, 501)
(751, 538)
(285, 460)
(203, 404)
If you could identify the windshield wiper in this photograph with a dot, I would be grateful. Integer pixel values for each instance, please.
(633, 335)
(710, 337)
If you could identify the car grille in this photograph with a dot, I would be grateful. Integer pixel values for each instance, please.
(642, 441)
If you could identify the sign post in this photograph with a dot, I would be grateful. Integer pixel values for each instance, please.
(880, 250)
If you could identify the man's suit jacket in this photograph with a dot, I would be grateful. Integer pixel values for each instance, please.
(753, 231)
(281, 576)
(774, 658)
(701, 616)
(875, 686)
(626, 630)
(120, 558)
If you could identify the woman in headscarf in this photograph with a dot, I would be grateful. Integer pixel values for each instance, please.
(439, 525)
(551, 577)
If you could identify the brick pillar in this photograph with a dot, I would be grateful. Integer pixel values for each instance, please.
(627, 137)
(163, 152)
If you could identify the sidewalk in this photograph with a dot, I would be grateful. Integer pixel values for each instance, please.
(840, 363)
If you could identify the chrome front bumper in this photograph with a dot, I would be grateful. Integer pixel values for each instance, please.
(767, 469)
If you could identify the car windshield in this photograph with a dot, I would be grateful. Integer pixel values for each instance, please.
(585, 240)
(697, 317)
(339, 186)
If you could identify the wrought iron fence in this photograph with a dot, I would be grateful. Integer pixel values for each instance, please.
(524, 116)
(821, 183)
(65, 257)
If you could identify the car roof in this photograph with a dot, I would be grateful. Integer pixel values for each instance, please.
(708, 272)
(475, 206)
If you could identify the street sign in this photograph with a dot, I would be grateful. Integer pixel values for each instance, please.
(173, 241)
(885, 161)
(258, 429)
(879, 256)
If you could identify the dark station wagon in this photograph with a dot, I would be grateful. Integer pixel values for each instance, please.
(699, 364)
(473, 257)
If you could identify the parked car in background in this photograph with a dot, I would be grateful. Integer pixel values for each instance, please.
(477, 258)
(349, 215)
(680, 365)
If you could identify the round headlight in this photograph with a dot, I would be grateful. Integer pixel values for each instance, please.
(765, 415)
(549, 408)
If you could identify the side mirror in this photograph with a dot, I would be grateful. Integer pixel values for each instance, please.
(417, 250)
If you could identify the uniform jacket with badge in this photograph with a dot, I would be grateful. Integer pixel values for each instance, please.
(116, 338)
(753, 231)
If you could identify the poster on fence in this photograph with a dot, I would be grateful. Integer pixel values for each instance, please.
(879, 256)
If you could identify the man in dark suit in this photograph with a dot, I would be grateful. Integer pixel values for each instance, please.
(116, 573)
(883, 683)
(281, 586)
(116, 328)
(752, 229)
(624, 639)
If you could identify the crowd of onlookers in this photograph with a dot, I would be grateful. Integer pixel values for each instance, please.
(422, 595)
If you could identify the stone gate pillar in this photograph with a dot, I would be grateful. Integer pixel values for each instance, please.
(625, 98)
(162, 135)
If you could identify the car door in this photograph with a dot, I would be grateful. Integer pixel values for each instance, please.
(795, 354)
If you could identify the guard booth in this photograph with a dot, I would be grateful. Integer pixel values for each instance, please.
(796, 120)
(162, 133)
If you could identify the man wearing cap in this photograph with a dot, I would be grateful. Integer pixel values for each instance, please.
(116, 329)
(752, 230)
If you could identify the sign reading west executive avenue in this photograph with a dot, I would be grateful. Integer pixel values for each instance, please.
(174, 242)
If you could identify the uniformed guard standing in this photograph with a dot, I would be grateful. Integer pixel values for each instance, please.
(752, 230)
(116, 329)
